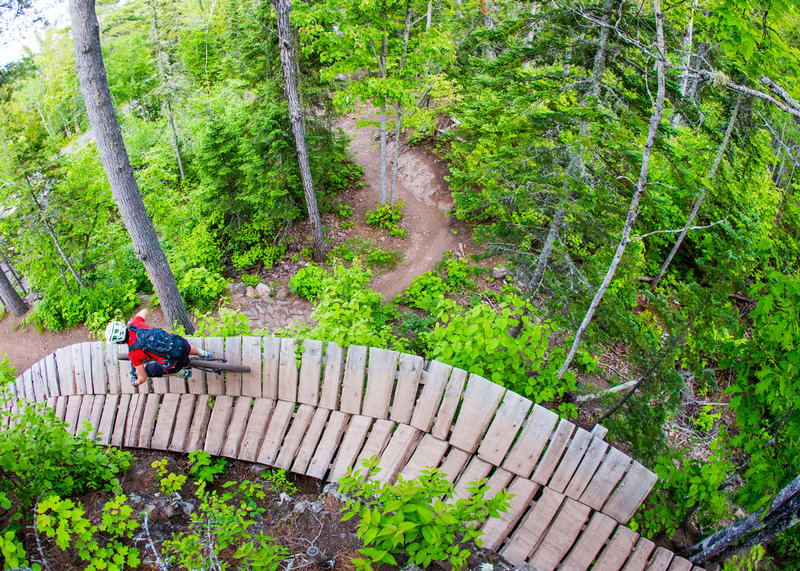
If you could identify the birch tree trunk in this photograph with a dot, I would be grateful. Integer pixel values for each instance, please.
(282, 9)
(703, 193)
(103, 119)
(10, 297)
(633, 210)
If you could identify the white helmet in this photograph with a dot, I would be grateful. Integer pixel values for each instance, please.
(116, 331)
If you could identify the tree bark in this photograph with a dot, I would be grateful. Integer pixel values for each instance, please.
(103, 119)
(282, 9)
(10, 297)
(602, 48)
(754, 529)
(633, 210)
(703, 193)
(7, 262)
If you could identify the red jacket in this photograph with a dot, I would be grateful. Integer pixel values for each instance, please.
(138, 356)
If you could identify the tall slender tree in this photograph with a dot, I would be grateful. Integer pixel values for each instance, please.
(282, 9)
(10, 297)
(103, 119)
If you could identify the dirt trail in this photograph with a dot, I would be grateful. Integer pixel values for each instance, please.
(421, 186)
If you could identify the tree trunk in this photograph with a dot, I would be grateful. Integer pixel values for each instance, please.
(703, 192)
(754, 529)
(602, 48)
(383, 154)
(282, 9)
(7, 262)
(688, 43)
(655, 120)
(103, 119)
(10, 297)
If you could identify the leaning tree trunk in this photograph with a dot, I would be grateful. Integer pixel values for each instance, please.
(4, 259)
(10, 297)
(754, 529)
(655, 120)
(282, 9)
(703, 192)
(103, 120)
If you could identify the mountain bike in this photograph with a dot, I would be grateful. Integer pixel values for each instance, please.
(215, 365)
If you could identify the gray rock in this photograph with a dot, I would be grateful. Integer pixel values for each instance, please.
(499, 272)
(250, 292)
(258, 469)
(263, 290)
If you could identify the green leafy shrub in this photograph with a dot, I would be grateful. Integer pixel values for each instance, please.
(224, 522)
(477, 340)
(95, 306)
(66, 523)
(344, 211)
(202, 288)
(168, 481)
(203, 467)
(251, 280)
(425, 292)
(228, 323)
(268, 255)
(460, 273)
(412, 327)
(279, 483)
(383, 259)
(386, 216)
(39, 457)
(308, 282)
(416, 516)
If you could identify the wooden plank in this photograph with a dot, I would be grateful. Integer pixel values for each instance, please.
(481, 399)
(450, 401)
(73, 413)
(235, 433)
(637, 560)
(278, 423)
(405, 392)
(183, 422)
(111, 364)
(588, 466)
(591, 542)
(570, 461)
(256, 428)
(660, 560)
(294, 436)
(310, 441)
(616, 552)
(233, 354)
(27, 385)
(453, 463)
(196, 438)
(152, 405)
(124, 368)
(380, 382)
(121, 420)
(165, 422)
(252, 357)
(218, 424)
(159, 385)
(332, 377)
(558, 443)
(39, 385)
(133, 424)
(98, 363)
(434, 381)
(605, 478)
(561, 535)
(397, 452)
(599, 431)
(327, 445)
(196, 384)
(499, 480)
(353, 381)
(66, 374)
(428, 454)
(352, 443)
(310, 371)
(79, 368)
(96, 414)
(376, 441)
(51, 375)
(106, 427)
(271, 367)
(532, 527)
(215, 384)
(287, 370)
(476, 469)
(504, 428)
(630, 494)
(495, 530)
(680, 564)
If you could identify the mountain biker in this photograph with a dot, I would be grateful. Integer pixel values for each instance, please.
(158, 365)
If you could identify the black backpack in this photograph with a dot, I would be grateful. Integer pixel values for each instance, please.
(156, 341)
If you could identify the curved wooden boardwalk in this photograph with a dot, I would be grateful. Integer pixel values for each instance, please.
(316, 409)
